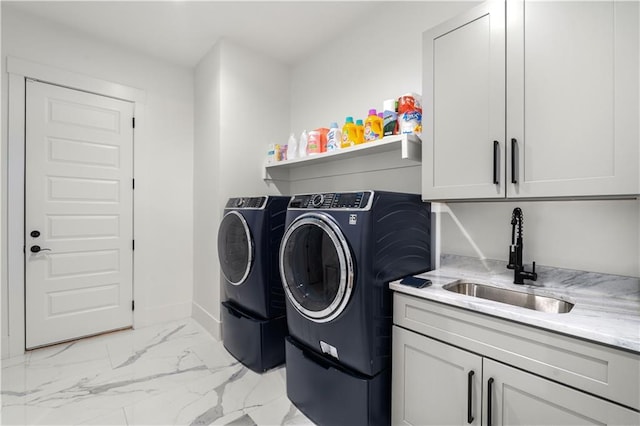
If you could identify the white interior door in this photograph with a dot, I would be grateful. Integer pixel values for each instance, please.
(79, 212)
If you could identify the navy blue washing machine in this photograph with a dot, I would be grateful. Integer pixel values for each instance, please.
(337, 256)
(253, 312)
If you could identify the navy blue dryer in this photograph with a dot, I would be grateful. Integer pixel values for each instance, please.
(337, 256)
(253, 314)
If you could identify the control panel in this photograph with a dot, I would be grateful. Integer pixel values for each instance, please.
(332, 200)
(246, 203)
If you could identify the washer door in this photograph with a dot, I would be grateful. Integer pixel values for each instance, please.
(316, 267)
(235, 248)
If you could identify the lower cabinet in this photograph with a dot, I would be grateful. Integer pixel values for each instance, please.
(434, 383)
(515, 397)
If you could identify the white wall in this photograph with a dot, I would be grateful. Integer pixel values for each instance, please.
(378, 59)
(346, 78)
(163, 151)
(242, 104)
(600, 236)
(206, 189)
(254, 100)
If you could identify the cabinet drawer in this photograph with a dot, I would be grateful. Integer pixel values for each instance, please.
(607, 372)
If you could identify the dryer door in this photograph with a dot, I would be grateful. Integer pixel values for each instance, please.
(235, 248)
(316, 267)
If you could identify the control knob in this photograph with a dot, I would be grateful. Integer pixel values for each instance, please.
(317, 200)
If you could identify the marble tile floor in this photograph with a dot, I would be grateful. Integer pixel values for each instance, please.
(168, 374)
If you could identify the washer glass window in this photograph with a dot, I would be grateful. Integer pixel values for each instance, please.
(235, 248)
(316, 268)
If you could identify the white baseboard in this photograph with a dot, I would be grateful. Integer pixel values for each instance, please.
(144, 317)
(211, 324)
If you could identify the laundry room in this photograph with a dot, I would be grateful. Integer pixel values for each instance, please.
(212, 87)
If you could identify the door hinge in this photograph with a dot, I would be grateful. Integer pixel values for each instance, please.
(133, 244)
(133, 305)
(133, 184)
(133, 122)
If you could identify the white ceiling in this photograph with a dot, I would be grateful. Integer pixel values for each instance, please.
(181, 32)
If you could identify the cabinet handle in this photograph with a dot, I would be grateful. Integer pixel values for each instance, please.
(496, 150)
(489, 400)
(514, 145)
(469, 395)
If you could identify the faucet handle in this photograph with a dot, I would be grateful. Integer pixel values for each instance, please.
(532, 275)
(512, 256)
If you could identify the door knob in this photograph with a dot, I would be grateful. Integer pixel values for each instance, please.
(38, 249)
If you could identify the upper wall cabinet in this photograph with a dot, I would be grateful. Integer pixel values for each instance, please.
(464, 106)
(555, 113)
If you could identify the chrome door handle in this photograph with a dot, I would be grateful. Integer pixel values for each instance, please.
(38, 249)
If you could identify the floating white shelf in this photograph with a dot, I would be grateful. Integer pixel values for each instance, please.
(406, 147)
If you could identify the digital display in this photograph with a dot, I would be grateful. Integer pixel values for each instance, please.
(348, 200)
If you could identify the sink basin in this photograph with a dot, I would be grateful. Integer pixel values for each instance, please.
(511, 297)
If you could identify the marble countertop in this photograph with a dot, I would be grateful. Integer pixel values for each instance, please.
(607, 307)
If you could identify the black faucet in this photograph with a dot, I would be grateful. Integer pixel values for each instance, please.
(515, 251)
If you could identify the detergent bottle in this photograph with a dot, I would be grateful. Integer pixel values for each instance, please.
(334, 137)
(302, 144)
(292, 147)
(390, 117)
(372, 127)
(314, 145)
(360, 129)
(349, 133)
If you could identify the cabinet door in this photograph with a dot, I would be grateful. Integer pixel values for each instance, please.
(464, 106)
(572, 98)
(519, 398)
(433, 383)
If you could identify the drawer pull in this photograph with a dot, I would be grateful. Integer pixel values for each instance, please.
(514, 146)
(469, 396)
(489, 400)
(496, 152)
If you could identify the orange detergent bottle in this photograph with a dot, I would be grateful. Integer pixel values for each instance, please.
(349, 133)
(373, 127)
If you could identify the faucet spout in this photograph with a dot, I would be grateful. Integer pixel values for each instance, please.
(515, 250)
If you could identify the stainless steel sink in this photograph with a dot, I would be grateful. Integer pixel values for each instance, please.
(511, 297)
